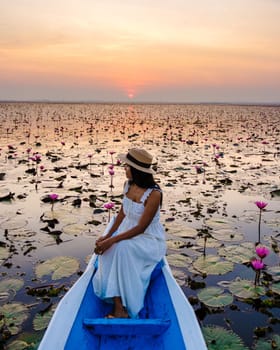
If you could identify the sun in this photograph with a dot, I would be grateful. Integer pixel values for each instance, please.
(130, 95)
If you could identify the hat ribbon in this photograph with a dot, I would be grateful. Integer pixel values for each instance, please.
(132, 159)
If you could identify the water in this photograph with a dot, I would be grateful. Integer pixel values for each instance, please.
(74, 141)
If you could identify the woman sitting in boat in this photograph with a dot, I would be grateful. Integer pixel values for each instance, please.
(135, 242)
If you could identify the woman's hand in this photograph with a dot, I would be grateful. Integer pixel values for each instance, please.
(102, 244)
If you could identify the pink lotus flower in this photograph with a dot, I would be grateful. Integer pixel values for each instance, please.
(257, 264)
(36, 158)
(53, 196)
(261, 205)
(109, 205)
(262, 251)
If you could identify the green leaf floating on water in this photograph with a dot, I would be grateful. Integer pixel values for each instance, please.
(218, 338)
(227, 235)
(212, 264)
(239, 254)
(11, 283)
(274, 271)
(219, 223)
(275, 287)
(265, 344)
(18, 345)
(4, 254)
(59, 267)
(246, 289)
(41, 321)
(14, 315)
(181, 231)
(175, 244)
(75, 229)
(9, 287)
(25, 341)
(215, 297)
(179, 260)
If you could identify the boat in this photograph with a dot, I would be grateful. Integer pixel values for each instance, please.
(166, 321)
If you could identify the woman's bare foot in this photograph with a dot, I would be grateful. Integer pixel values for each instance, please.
(119, 310)
(121, 314)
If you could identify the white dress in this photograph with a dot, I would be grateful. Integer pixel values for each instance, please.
(125, 268)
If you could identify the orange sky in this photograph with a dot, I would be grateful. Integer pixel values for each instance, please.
(166, 51)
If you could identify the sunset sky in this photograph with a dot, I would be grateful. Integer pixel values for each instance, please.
(140, 50)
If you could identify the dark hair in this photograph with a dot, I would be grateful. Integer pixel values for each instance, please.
(144, 180)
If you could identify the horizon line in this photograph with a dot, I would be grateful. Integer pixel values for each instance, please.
(248, 103)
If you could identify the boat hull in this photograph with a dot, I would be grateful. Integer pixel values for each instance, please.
(166, 321)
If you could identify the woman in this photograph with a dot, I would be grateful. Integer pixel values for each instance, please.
(135, 242)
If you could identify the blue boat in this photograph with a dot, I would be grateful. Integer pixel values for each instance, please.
(166, 322)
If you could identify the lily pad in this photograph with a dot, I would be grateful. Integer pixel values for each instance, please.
(25, 341)
(212, 264)
(182, 231)
(4, 254)
(268, 344)
(274, 271)
(238, 253)
(245, 289)
(14, 315)
(14, 223)
(276, 288)
(59, 267)
(218, 338)
(18, 345)
(75, 229)
(175, 244)
(179, 260)
(218, 223)
(210, 243)
(41, 320)
(180, 276)
(9, 287)
(227, 235)
(215, 297)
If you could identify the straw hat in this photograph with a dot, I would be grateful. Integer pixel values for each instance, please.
(139, 159)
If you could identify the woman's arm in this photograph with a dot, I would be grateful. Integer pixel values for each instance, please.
(150, 210)
(118, 220)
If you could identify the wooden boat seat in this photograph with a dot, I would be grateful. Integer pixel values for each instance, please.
(126, 326)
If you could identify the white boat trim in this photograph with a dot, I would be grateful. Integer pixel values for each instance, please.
(186, 316)
(54, 338)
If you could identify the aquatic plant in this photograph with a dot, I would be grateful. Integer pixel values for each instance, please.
(218, 338)
(261, 205)
(111, 154)
(257, 265)
(59, 267)
(215, 297)
(111, 173)
(90, 157)
(262, 251)
(53, 197)
(109, 206)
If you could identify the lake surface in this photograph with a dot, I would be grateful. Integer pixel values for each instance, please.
(213, 163)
